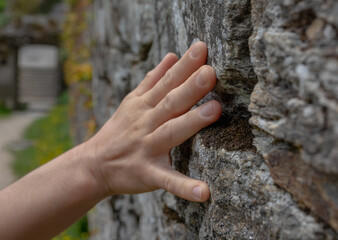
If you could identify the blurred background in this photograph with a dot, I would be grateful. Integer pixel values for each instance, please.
(44, 67)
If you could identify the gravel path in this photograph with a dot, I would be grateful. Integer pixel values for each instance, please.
(11, 131)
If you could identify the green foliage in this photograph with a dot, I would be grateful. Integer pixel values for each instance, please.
(4, 111)
(3, 19)
(25, 161)
(2, 5)
(3, 16)
(78, 231)
(21, 7)
(51, 137)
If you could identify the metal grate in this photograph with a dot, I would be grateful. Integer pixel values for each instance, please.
(38, 74)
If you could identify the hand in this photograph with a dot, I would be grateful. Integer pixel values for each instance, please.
(132, 148)
(130, 154)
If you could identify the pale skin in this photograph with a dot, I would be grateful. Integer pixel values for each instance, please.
(129, 155)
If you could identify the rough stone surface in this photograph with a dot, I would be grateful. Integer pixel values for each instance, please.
(272, 160)
(294, 50)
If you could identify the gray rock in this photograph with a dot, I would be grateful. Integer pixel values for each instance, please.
(271, 160)
(295, 100)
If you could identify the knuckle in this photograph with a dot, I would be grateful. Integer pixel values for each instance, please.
(130, 95)
(149, 75)
(148, 142)
(167, 79)
(168, 103)
(145, 103)
(167, 132)
(184, 64)
(170, 183)
(189, 117)
(189, 90)
(144, 83)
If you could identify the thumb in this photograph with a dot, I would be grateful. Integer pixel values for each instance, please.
(181, 185)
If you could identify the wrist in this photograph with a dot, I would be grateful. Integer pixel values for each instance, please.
(91, 167)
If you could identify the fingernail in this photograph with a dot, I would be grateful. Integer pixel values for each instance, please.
(207, 110)
(197, 191)
(194, 51)
(201, 80)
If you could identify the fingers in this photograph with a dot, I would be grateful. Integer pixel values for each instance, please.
(182, 98)
(177, 130)
(192, 60)
(156, 74)
(181, 185)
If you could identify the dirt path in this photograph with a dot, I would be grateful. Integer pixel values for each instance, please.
(11, 131)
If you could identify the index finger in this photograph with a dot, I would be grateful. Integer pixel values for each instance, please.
(191, 61)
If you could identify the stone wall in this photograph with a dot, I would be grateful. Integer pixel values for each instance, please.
(271, 161)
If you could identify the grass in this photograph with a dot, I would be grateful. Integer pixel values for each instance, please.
(50, 137)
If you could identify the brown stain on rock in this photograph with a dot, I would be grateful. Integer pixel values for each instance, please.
(307, 185)
(231, 134)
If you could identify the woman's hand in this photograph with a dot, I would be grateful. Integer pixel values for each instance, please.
(130, 154)
(132, 148)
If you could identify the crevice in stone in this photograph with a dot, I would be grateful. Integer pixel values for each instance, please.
(172, 215)
(123, 46)
(144, 51)
(105, 78)
(133, 213)
(116, 215)
(230, 133)
(183, 152)
(299, 21)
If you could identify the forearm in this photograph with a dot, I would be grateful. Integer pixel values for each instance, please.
(48, 200)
